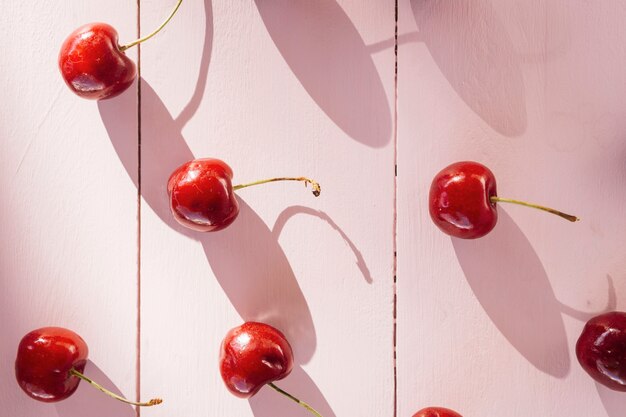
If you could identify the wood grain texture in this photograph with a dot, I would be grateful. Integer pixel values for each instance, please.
(274, 88)
(69, 213)
(535, 90)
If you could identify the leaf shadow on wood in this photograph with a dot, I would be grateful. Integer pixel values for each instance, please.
(89, 401)
(474, 52)
(323, 48)
(512, 286)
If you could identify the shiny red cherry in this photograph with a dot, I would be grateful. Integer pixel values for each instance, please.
(202, 196)
(436, 412)
(462, 201)
(94, 65)
(45, 358)
(601, 349)
(253, 355)
(50, 363)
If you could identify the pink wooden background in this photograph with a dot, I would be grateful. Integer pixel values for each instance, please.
(535, 89)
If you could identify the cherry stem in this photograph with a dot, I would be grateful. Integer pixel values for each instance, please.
(145, 38)
(314, 184)
(291, 397)
(150, 403)
(569, 217)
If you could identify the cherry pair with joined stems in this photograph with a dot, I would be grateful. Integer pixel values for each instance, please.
(50, 364)
(94, 65)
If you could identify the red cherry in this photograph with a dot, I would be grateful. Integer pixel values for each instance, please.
(202, 196)
(50, 363)
(601, 349)
(253, 355)
(45, 358)
(462, 201)
(436, 412)
(94, 65)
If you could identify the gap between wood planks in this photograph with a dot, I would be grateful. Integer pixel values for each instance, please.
(395, 214)
(138, 341)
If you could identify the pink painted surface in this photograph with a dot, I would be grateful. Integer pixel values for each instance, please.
(536, 91)
(533, 89)
(68, 216)
(271, 88)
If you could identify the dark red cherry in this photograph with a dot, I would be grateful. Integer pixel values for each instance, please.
(462, 201)
(601, 349)
(92, 64)
(45, 358)
(50, 363)
(436, 412)
(202, 195)
(252, 355)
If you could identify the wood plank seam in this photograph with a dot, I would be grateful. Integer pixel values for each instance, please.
(395, 211)
(138, 342)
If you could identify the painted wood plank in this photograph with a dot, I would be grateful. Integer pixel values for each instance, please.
(69, 210)
(536, 91)
(274, 88)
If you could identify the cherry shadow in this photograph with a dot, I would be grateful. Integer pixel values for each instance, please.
(207, 48)
(269, 403)
(246, 258)
(89, 401)
(614, 402)
(474, 52)
(511, 284)
(323, 49)
(255, 274)
(294, 210)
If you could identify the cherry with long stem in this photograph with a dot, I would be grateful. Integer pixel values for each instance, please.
(150, 403)
(314, 184)
(571, 218)
(145, 38)
(296, 400)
